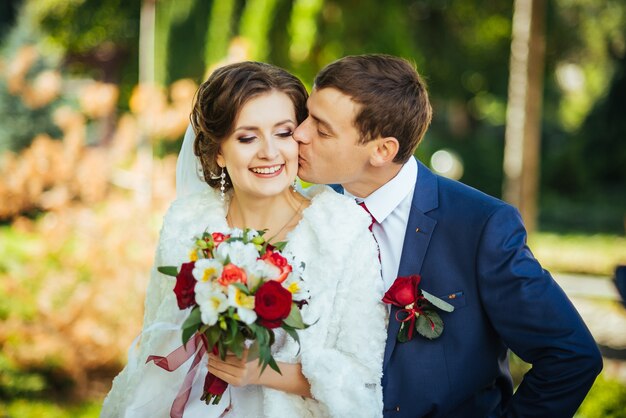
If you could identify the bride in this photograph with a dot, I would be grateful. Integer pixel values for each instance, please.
(243, 117)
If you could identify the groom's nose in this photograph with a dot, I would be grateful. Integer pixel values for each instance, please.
(302, 134)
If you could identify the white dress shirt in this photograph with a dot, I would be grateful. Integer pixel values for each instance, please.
(390, 205)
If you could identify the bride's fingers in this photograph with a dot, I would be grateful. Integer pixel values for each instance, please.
(230, 365)
(225, 371)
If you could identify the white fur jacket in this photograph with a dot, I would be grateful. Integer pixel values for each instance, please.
(341, 354)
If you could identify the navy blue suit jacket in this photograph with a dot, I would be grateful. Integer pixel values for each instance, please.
(470, 249)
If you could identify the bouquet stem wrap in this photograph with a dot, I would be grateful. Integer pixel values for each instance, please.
(214, 387)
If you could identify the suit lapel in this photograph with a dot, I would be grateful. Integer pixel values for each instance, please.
(420, 228)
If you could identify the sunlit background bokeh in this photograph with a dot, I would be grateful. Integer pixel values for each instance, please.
(95, 97)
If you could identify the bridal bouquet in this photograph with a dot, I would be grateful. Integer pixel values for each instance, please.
(239, 287)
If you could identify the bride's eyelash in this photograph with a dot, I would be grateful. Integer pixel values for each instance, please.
(246, 139)
(285, 134)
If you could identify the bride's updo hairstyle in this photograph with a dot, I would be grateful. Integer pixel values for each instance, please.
(220, 98)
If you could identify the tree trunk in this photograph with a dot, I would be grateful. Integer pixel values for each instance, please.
(523, 118)
(143, 192)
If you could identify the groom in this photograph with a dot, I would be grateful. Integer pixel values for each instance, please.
(367, 115)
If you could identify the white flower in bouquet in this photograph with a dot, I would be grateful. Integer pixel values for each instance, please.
(244, 304)
(238, 253)
(212, 301)
(206, 270)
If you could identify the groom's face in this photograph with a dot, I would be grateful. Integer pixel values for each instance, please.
(330, 152)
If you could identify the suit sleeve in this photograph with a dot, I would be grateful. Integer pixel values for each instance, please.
(536, 321)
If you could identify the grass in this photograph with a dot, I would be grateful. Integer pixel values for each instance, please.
(27, 408)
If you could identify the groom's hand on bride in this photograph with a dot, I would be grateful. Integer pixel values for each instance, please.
(235, 371)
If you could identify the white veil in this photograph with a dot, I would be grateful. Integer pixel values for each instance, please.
(189, 178)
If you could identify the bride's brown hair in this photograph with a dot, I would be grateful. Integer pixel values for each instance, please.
(220, 98)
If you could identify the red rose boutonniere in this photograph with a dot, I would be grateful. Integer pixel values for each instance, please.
(417, 308)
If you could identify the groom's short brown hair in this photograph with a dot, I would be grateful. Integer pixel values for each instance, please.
(392, 97)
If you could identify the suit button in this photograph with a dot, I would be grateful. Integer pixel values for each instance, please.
(397, 409)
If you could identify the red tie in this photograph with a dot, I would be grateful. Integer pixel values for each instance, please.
(362, 204)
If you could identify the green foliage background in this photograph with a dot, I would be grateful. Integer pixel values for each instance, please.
(461, 47)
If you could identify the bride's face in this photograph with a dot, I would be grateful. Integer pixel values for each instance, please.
(261, 156)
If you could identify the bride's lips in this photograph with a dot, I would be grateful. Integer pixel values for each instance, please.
(267, 171)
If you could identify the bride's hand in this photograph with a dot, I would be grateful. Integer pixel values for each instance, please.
(235, 371)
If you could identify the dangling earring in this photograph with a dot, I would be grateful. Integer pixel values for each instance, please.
(222, 178)
(294, 185)
(222, 183)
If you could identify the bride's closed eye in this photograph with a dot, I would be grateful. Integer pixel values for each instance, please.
(246, 139)
(284, 134)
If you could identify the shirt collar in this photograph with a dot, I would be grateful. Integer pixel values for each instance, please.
(385, 199)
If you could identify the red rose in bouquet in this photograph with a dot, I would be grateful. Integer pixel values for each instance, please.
(272, 303)
(185, 285)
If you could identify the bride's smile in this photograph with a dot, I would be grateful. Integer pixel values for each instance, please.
(270, 171)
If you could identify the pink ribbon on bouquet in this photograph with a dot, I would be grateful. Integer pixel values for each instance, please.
(177, 358)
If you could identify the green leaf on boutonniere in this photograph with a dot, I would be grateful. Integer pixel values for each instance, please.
(441, 304)
(168, 270)
(191, 324)
(403, 334)
(429, 324)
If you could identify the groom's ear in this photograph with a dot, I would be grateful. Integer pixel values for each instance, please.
(384, 150)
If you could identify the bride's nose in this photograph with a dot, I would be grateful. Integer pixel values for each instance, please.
(269, 149)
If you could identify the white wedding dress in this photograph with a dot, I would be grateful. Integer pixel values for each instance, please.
(341, 354)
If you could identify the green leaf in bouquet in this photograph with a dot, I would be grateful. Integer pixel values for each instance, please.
(403, 334)
(168, 270)
(294, 319)
(221, 349)
(191, 324)
(429, 324)
(212, 335)
(202, 244)
(292, 332)
(264, 355)
(262, 334)
(242, 287)
(280, 245)
(274, 365)
(237, 345)
(441, 304)
(233, 328)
